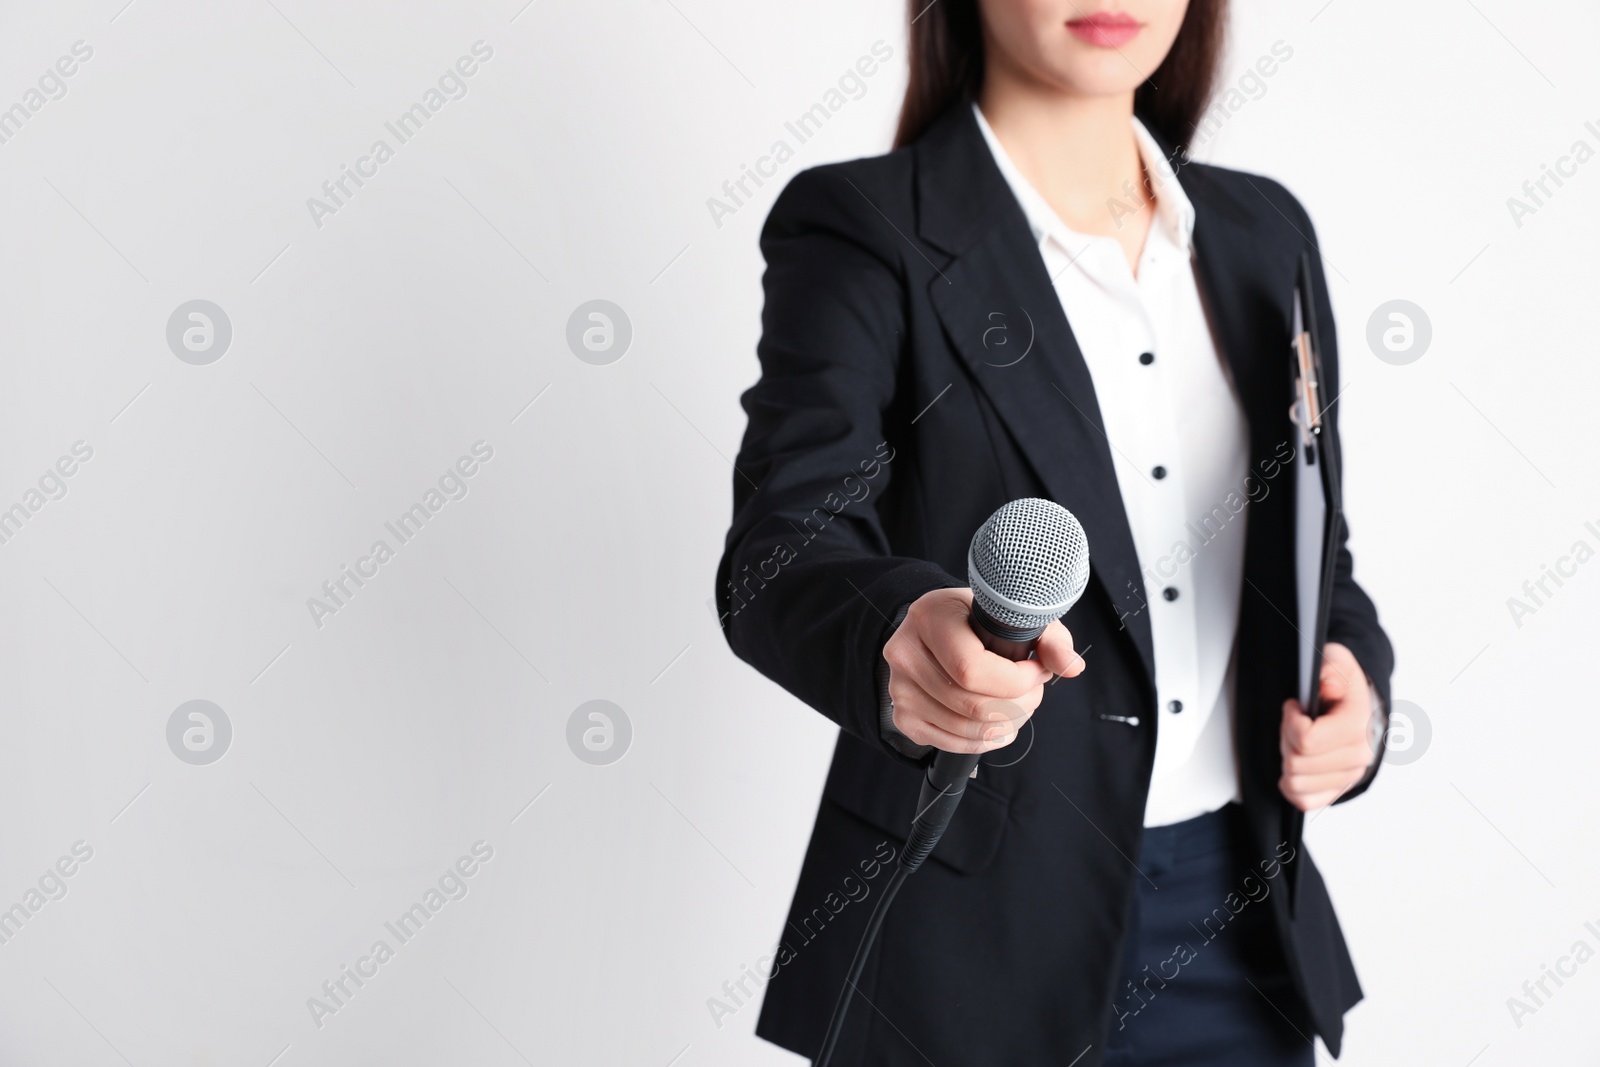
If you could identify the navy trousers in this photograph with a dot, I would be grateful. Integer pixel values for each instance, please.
(1203, 979)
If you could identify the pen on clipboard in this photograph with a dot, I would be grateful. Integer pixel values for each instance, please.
(1306, 411)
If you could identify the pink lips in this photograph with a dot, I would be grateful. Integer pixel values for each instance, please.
(1106, 29)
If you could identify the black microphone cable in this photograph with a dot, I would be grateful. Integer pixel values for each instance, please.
(868, 937)
(942, 789)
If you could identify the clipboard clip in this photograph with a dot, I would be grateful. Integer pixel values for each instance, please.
(1306, 410)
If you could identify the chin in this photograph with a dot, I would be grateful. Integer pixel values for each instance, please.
(1095, 72)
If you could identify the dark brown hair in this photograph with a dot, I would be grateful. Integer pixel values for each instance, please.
(946, 45)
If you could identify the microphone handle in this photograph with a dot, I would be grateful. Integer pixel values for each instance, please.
(949, 773)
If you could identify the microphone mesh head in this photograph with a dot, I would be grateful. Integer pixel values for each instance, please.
(1029, 563)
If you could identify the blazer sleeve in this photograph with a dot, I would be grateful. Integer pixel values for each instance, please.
(808, 587)
(1353, 618)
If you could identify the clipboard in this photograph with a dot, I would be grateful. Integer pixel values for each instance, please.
(1319, 505)
(1319, 515)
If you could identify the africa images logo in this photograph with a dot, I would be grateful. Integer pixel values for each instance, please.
(736, 192)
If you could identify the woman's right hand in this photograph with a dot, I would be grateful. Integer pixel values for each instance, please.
(951, 692)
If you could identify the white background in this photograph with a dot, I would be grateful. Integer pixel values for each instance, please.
(372, 351)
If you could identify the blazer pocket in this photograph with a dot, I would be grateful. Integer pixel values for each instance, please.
(883, 794)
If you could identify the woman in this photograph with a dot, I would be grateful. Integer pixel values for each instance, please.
(1037, 294)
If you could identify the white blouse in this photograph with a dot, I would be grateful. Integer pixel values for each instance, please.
(1180, 447)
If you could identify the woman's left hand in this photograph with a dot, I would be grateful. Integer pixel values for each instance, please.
(1325, 756)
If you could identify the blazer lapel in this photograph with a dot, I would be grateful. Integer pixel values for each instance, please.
(996, 285)
(1237, 291)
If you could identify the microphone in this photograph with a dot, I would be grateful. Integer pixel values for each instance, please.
(1028, 564)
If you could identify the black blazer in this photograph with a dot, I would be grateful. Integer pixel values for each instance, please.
(887, 424)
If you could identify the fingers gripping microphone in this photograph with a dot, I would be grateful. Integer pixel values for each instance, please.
(1028, 564)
